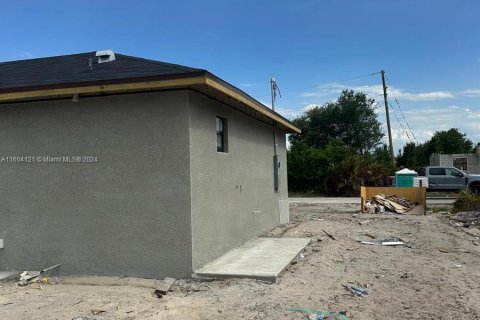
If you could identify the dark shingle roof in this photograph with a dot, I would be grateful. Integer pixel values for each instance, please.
(74, 69)
(62, 76)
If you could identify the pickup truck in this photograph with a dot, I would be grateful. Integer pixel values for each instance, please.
(450, 178)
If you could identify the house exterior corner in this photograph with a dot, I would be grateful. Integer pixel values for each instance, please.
(233, 195)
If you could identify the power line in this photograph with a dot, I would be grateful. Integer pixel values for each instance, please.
(401, 125)
(398, 121)
(403, 115)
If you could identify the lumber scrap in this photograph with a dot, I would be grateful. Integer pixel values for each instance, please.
(164, 287)
(393, 203)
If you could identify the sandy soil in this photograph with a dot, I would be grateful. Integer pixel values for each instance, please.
(436, 277)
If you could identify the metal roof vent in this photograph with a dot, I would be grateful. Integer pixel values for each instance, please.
(105, 56)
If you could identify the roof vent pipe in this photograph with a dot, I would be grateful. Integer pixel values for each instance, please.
(105, 56)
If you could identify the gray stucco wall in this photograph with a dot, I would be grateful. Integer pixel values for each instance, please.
(233, 196)
(127, 214)
(446, 160)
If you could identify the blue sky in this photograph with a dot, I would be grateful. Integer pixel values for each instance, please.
(429, 49)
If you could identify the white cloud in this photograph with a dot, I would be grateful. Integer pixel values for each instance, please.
(471, 92)
(311, 106)
(310, 94)
(288, 113)
(377, 90)
(425, 121)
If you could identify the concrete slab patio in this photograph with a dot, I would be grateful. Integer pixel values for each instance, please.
(261, 258)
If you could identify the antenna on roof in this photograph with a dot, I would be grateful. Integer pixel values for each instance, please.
(105, 56)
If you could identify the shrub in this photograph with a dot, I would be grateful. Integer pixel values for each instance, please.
(467, 201)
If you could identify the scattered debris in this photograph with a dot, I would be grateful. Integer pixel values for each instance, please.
(97, 311)
(370, 235)
(406, 275)
(364, 222)
(392, 243)
(356, 290)
(88, 318)
(466, 219)
(27, 277)
(367, 242)
(452, 250)
(381, 203)
(329, 314)
(164, 287)
(329, 235)
(385, 243)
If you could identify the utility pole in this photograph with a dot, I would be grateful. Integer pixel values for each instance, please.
(273, 87)
(388, 118)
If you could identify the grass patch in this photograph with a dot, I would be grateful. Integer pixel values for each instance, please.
(467, 201)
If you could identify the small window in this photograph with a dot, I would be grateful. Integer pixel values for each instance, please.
(222, 135)
(437, 171)
(460, 163)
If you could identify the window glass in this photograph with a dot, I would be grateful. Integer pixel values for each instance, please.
(219, 143)
(221, 126)
(452, 172)
(437, 171)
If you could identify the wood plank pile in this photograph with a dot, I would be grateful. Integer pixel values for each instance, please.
(392, 203)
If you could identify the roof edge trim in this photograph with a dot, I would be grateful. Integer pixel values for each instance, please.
(130, 85)
(226, 88)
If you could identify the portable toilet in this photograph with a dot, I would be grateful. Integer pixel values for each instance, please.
(404, 178)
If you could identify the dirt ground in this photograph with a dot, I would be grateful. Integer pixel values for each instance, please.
(435, 277)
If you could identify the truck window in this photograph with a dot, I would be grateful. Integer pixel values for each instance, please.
(437, 171)
(452, 172)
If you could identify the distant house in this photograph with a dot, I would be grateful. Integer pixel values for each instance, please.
(118, 165)
(467, 162)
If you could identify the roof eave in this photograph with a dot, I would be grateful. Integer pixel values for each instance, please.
(202, 78)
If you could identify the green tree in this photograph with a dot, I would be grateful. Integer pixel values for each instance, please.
(307, 167)
(414, 156)
(451, 141)
(339, 148)
(381, 155)
(351, 119)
